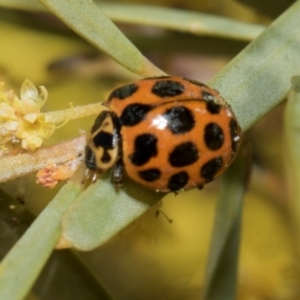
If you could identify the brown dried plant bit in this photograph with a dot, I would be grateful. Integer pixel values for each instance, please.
(44, 177)
(51, 175)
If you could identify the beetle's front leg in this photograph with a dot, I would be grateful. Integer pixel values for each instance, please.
(118, 174)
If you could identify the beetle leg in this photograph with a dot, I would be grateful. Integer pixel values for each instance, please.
(118, 174)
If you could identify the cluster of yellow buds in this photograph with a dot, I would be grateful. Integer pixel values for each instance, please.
(21, 122)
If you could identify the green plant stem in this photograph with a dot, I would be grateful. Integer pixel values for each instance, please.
(16, 166)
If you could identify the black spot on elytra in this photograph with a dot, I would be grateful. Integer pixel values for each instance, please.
(150, 174)
(167, 88)
(213, 136)
(145, 147)
(103, 139)
(195, 82)
(99, 120)
(134, 113)
(178, 181)
(234, 133)
(183, 155)
(213, 107)
(90, 160)
(211, 168)
(180, 119)
(123, 92)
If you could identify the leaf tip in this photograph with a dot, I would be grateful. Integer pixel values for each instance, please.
(63, 243)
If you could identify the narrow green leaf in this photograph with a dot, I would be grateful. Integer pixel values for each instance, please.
(103, 212)
(181, 20)
(21, 266)
(258, 78)
(87, 19)
(162, 17)
(221, 274)
(292, 146)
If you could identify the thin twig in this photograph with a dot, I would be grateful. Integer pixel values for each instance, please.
(23, 164)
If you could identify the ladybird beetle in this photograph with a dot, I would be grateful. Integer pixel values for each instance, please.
(166, 133)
